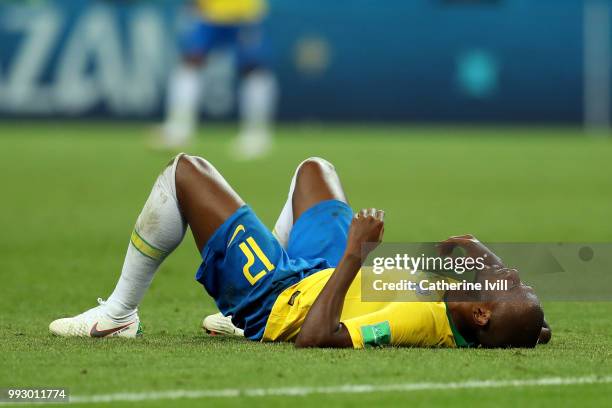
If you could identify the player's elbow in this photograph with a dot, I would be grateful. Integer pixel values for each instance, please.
(306, 340)
(301, 344)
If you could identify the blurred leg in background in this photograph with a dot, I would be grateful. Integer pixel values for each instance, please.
(184, 84)
(258, 94)
(236, 26)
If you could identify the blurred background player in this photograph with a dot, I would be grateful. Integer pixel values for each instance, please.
(235, 25)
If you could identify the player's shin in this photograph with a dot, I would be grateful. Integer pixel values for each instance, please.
(182, 105)
(159, 229)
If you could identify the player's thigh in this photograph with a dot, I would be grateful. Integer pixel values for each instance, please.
(321, 232)
(205, 198)
(238, 262)
(316, 181)
(198, 37)
(252, 48)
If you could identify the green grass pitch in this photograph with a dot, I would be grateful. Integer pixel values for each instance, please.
(71, 193)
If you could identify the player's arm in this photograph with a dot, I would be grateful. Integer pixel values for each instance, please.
(322, 327)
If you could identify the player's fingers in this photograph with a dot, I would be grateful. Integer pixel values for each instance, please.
(371, 212)
(380, 215)
(454, 241)
(380, 235)
(466, 236)
(461, 238)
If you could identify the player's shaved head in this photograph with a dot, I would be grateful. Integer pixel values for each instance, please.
(514, 322)
(514, 317)
(511, 317)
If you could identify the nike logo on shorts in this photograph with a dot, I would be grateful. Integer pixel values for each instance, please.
(239, 228)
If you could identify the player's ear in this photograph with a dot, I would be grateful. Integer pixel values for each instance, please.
(481, 314)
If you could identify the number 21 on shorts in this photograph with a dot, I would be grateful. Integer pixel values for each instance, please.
(248, 248)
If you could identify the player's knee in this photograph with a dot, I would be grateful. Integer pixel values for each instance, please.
(190, 167)
(315, 166)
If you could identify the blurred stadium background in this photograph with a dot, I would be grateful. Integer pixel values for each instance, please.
(489, 117)
(425, 61)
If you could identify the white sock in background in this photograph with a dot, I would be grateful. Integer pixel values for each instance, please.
(159, 229)
(182, 105)
(258, 98)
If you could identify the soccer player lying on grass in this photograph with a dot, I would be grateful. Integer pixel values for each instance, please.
(300, 284)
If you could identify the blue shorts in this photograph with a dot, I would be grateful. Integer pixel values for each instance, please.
(247, 41)
(245, 268)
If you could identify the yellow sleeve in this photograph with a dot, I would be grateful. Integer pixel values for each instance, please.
(408, 324)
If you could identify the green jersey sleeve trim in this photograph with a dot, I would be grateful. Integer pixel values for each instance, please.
(459, 339)
(376, 335)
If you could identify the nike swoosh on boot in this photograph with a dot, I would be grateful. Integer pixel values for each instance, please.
(103, 333)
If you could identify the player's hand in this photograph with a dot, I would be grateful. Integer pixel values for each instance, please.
(472, 247)
(368, 226)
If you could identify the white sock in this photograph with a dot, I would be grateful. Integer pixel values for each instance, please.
(284, 223)
(258, 97)
(285, 220)
(159, 230)
(182, 104)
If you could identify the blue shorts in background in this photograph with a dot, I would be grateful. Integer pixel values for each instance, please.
(245, 268)
(247, 41)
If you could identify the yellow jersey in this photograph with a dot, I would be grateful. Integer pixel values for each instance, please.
(407, 324)
(232, 11)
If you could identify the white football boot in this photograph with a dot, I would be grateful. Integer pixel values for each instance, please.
(219, 324)
(96, 323)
